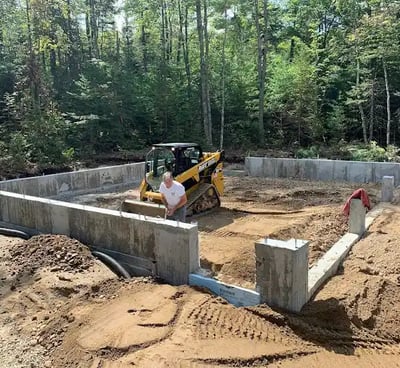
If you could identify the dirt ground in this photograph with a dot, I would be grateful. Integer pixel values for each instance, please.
(60, 307)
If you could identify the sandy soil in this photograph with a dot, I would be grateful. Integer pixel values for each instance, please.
(255, 208)
(60, 307)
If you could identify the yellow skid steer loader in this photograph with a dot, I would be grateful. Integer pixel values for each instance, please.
(200, 173)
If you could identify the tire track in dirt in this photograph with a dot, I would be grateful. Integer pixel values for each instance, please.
(214, 318)
(260, 361)
(228, 233)
(338, 339)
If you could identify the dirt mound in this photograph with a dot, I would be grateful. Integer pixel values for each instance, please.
(240, 267)
(322, 229)
(58, 252)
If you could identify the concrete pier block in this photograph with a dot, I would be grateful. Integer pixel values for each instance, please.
(282, 273)
(387, 188)
(357, 217)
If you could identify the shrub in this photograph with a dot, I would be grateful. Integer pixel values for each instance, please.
(371, 152)
(310, 152)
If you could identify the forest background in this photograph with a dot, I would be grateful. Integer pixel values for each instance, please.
(82, 79)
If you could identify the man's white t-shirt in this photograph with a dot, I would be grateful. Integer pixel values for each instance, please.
(172, 194)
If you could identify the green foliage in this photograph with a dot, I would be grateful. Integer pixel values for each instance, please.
(17, 152)
(120, 86)
(68, 154)
(373, 152)
(292, 95)
(45, 140)
(310, 152)
(241, 134)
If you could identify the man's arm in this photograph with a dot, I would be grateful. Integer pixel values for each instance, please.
(181, 203)
(164, 200)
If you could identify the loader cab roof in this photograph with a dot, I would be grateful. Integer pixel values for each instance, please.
(186, 155)
(176, 145)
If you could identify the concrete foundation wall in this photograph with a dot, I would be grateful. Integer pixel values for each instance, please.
(281, 272)
(76, 182)
(172, 247)
(324, 170)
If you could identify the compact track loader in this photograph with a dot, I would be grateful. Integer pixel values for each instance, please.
(200, 173)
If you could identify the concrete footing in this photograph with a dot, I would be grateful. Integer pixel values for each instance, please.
(240, 297)
(357, 217)
(281, 272)
(387, 188)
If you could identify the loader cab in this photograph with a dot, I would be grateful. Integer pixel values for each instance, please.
(174, 157)
(186, 157)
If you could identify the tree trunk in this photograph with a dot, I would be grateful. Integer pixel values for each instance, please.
(143, 40)
(221, 140)
(385, 73)
(360, 108)
(183, 45)
(87, 28)
(94, 32)
(372, 111)
(163, 69)
(128, 42)
(207, 79)
(53, 57)
(2, 54)
(261, 64)
(180, 35)
(73, 44)
(170, 36)
(186, 54)
(33, 71)
(203, 73)
(117, 46)
(163, 32)
(292, 47)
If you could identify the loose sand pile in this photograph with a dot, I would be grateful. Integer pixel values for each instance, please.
(58, 252)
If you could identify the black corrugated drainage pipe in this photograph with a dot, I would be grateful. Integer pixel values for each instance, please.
(112, 264)
(12, 232)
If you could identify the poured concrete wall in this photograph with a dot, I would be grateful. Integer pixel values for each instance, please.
(76, 182)
(323, 170)
(281, 272)
(170, 246)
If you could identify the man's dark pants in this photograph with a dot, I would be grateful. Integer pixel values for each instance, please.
(179, 215)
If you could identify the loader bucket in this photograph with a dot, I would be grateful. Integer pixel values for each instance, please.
(143, 208)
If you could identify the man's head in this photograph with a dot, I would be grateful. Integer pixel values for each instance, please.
(168, 179)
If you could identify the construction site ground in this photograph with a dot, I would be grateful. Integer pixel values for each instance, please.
(60, 307)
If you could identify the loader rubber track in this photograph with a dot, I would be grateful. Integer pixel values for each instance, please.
(202, 200)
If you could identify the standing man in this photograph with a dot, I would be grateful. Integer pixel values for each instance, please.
(174, 197)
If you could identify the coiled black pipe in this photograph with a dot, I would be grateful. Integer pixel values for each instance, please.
(112, 264)
(12, 232)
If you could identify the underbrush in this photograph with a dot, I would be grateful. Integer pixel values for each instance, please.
(352, 152)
